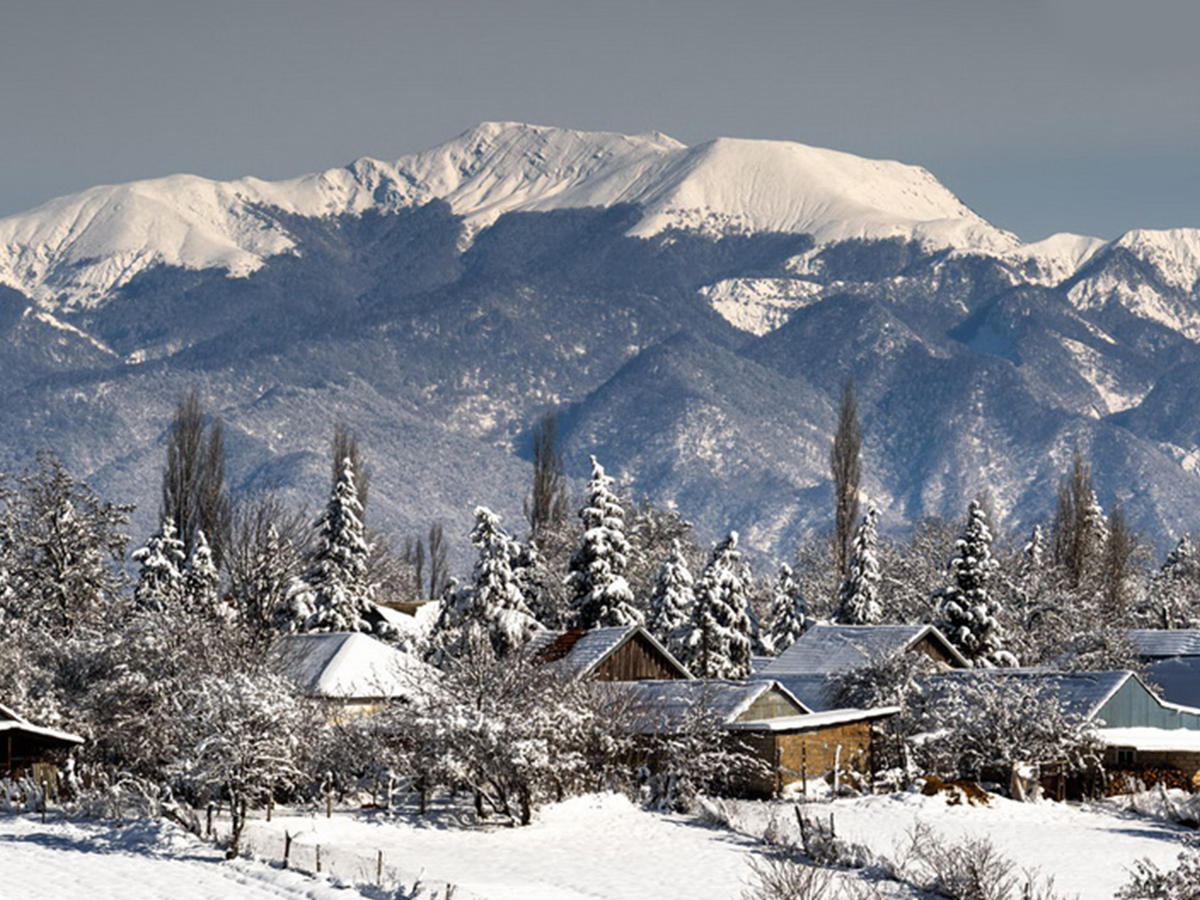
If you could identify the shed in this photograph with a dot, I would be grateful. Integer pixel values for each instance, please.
(624, 653)
(809, 665)
(32, 749)
(354, 673)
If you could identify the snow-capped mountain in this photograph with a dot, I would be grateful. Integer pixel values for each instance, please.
(691, 312)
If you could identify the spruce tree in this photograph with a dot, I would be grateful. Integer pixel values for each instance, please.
(600, 595)
(201, 581)
(789, 613)
(335, 594)
(1175, 588)
(968, 609)
(160, 584)
(717, 642)
(672, 600)
(858, 600)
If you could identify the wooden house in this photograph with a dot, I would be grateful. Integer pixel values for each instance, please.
(809, 666)
(627, 653)
(28, 749)
(765, 717)
(352, 673)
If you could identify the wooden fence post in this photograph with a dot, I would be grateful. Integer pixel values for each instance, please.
(379, 868)
(287, 848)
(318, 858)
(45, 798)
(208, 821)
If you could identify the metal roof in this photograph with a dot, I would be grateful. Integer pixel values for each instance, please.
(12, 721)
(665, 706)
(830, 649)
(1079, 693)
(1155, 643)
(1178, 679)
(816, 719)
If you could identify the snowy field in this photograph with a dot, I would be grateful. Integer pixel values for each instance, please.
(144, 861)
(588, 847)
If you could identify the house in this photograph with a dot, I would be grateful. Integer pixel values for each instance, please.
(624, 653)
(768, 719)
(31, 749)
(1172, 661)
(352, 672)
(1140, 730)
(809, 666)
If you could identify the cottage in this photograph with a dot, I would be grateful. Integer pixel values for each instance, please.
(808, 667)
(30, 749)
(625, 653)
(766, 717)
(353, 673)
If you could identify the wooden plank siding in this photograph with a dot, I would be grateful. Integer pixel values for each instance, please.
(635, 660)
(815, 753)
(772, 704)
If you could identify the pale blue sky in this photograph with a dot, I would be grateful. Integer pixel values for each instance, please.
(1043, 115)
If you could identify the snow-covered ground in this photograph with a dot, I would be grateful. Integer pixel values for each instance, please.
(150, 860)
(1087, 850)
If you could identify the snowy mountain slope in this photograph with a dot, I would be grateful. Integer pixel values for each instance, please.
(73, 252)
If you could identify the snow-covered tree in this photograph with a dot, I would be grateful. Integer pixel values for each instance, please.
(672, 600)
(335, 593)
(201, 581)
(1172, 597)
(789, 613)
(967, 606)
(543, 590)
(717, 641)
(600, 595)
(160, 564)
(858, 599)
(491, 614)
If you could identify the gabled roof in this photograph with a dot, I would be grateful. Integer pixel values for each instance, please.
(1079, 693)
(579, 653)
(808, 722)
(665, 706)
(1178, 678)
(13, 722)
(349, 666)
(1157, 643)
(830, 649)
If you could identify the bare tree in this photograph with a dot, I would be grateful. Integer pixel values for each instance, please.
(345, 446)
(1117, 568)
(438, 568)
(1078, 524)
(547, 502)
(845, 463)
(194, 496)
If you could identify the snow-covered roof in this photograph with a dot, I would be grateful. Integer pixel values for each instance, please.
(814, 691)
(1155, 643)
(12, 721)
(1162, 739)
(350, 666)
(1178, 678)
(664, 706)
(815, 720)
(579, 653)
(1079, 693)
(829, 649)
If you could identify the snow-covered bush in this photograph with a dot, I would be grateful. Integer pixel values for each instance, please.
(1148, 882)
(777, 876)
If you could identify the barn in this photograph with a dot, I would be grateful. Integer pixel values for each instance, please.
(623, 653)
(808, 667)
(28, 749)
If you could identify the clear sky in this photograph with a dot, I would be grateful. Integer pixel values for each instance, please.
(1043, 115)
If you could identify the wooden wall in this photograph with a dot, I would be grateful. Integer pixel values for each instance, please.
(635, 660)
(814, 752)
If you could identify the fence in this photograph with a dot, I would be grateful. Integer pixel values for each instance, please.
(302, 851)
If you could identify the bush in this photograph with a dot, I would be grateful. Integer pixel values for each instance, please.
(1151, 883)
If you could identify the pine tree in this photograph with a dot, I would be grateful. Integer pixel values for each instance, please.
(789, 613)
(968, 608)
(491, 613)
(201, 581)
(335, 594)
(717, 642)
(160, 579)
(543, 590)
(1174, 589)
(672, 600)
(600, 594)
(858, 600)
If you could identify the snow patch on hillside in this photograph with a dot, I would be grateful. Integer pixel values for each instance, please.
(760, 305)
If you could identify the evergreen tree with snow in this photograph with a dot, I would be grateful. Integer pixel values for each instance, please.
(160, 584)
(491, 612)
(717, 641)
(201, 581)
(600, 595)
(968, 610)
(858, 599)
(1174, 589)
(335, 593)
(672, 600)
(543, 590)
(1033, 554)
(789, 613)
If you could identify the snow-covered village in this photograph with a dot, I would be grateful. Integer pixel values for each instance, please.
(652, 503)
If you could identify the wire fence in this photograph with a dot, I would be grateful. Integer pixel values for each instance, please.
(302, 849)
